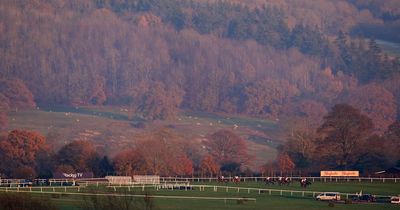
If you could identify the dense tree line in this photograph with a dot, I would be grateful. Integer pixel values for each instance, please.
(345, 140)
(26, 154)
(266, 60)
(217, 56)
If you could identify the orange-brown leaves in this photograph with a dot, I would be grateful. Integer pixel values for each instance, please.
(161, 153)
(20, 149)
(160, 101)
(374, 101)
(208, 166)
(23, 146)
(3, 120)
(17, 94)
(343, 132)
(267, 97)
(284, 162)
(148, 20)
(226, 147)
(129, 162)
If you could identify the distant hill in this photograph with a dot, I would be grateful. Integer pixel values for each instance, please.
(288, 60)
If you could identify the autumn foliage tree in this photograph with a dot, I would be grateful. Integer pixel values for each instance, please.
(77, 156)
(391, 143)
(19, 152)
(158, 56)
(4, 107)
(303, 114)
(267, 97)
(227, 147)
(17, 93)
(13, 95)
(160, 101)
(284, 162)
(374, 101)
(128, 162)
(204, 56)
(3, 120)
(301, 146)
(344, 131)
(208, 166)
(161, 152)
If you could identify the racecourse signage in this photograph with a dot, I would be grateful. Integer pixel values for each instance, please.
(340, 173)
(73, 175)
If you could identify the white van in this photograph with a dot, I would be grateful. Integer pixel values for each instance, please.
(395, 200)
(328, 196)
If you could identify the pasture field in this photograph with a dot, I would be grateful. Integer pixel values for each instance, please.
(111, 128)
(389, 47)
(215, 199)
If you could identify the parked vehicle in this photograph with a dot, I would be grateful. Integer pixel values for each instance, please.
(364, 198)
(328, 196)
(25, 183)
(395, 200)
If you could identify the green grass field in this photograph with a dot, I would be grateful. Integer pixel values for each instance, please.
(275, 201)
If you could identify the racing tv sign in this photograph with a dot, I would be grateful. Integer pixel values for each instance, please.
(340, 173)
(73, 175)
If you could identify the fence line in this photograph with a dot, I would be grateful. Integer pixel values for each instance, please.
(141, 196)
(260, 179)
(102, 181)
(177, 186)
(39, 189)
(248, 190)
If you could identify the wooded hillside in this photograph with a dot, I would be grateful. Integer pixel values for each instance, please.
(263, 58)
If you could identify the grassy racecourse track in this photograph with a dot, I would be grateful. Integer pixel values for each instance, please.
(226, 196)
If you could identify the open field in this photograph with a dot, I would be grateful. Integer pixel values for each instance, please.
(195, 199)
(389, 47)
(111, 129)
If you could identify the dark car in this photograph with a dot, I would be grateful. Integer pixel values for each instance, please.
(25, 183)
(365, 198)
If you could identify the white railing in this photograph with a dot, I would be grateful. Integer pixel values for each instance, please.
(179, 186)
(248, 190)
(102, 181)
(261, 179)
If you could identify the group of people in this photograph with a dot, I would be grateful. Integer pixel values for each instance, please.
(235, 179)
(268, 181)
(285, 181)
(280, 180)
